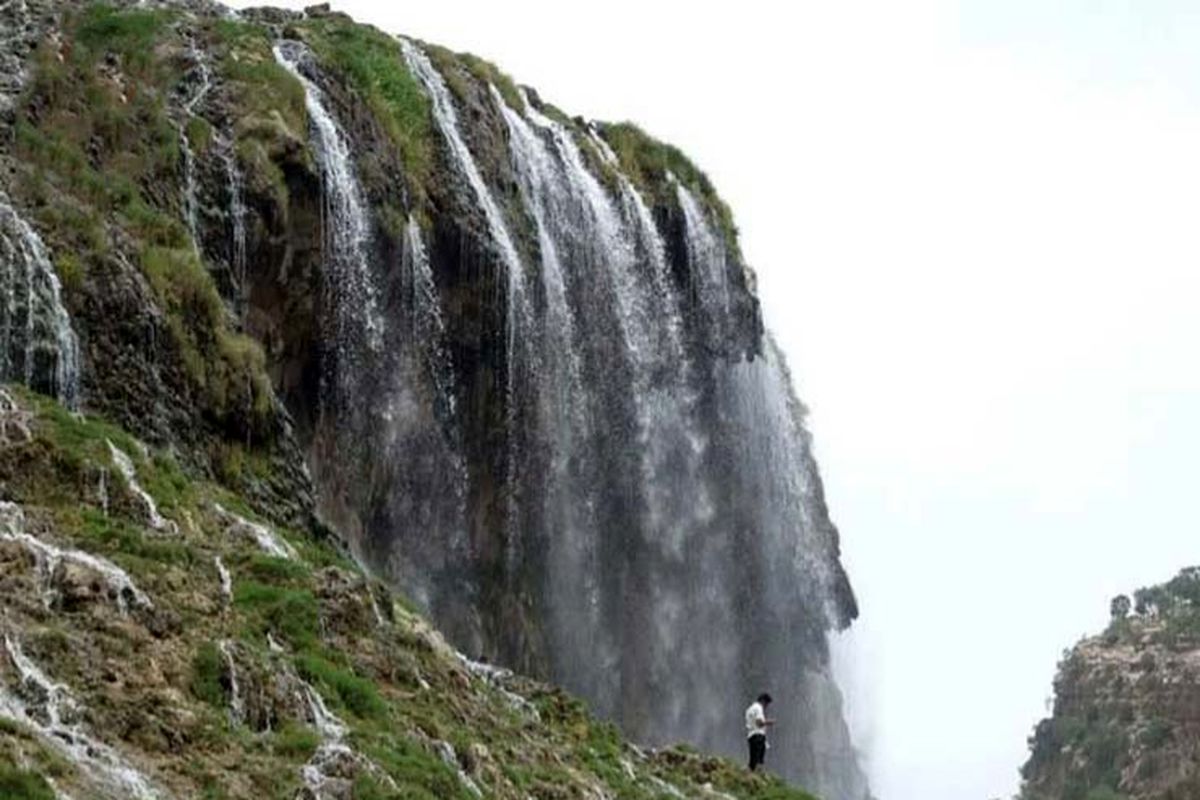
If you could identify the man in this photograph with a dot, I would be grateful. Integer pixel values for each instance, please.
(756, 729)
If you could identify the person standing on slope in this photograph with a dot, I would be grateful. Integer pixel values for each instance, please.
(756, 729)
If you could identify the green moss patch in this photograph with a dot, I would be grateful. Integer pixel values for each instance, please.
(374, 67)
(647, 161)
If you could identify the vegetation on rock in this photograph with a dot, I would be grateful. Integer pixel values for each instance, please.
(1123, 726)
(206, 695)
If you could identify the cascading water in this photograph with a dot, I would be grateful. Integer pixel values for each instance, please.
(519, 312)
(47, 559)
(124, 465)
(352, 302)
(37, 345)
(267, 540)
(237, 214)
(52, 713)
(202, 79)
(601, 248)
(14, 16)
(564, 412)
(237, 706)
(665, 517)
(710, 278)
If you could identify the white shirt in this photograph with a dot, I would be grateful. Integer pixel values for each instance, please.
(756, 720)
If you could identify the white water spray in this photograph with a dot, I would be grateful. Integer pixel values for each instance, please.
(267, 540)
(352, 293)
(37, 345)
(124, 465)
(48, 559)
(52, 713)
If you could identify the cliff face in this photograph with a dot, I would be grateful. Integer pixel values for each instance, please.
(1126, 721)
(512, 358)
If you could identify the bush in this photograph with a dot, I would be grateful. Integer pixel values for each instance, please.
(208, 666)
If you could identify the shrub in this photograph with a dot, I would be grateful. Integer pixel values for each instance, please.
(208, 666)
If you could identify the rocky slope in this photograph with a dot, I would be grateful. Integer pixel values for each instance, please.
(159, 639)
(1126, 721)
(513, 359)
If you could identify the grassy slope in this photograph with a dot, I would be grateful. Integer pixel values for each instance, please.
(155, 685)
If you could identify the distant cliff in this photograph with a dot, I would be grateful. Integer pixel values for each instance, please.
(1126, 721)
(512, 358)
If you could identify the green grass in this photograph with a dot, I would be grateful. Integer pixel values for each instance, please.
(290, 613)
(228, 367)
(419, 775)
(131, 33)
(114, 535)
(356, 694)
(295, 742)
(449, 64)
(208, 666)
(647, 161)
(19, 784)
(372, 63)
(276, 571)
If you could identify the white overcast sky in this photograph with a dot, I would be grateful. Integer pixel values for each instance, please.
(975, 227)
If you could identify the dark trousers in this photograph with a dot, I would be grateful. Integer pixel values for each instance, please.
(758, 749)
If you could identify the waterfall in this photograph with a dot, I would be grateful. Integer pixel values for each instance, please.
(14, 44)
(614, 626)
(47, 559)
(237, 706)
(237, 214)
(519, 322)
(653, 533)
(226, 580)
(52, 713)
(266, 539)
(447, 121)
(709, 271)
(564, 412)
(446, 753)
(351, 294)
(124, 465)
(37, 345)
(329, 773)
(202, 76)
(427, 325)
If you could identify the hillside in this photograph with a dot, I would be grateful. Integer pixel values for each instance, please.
(161, 640)
(1125, 723)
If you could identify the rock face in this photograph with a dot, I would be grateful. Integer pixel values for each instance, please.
(1126, 721)
(514, 359)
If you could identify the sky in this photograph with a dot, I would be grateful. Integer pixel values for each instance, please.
(975, 230)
